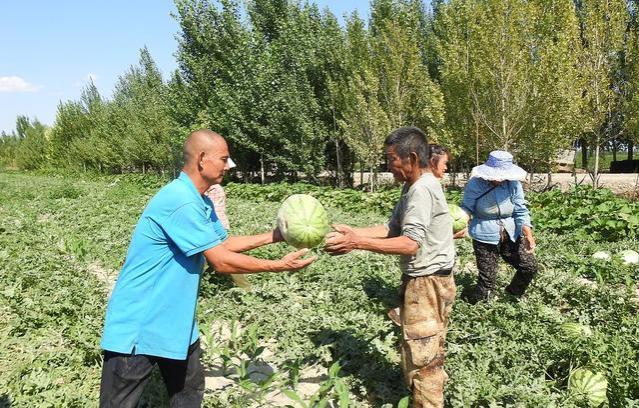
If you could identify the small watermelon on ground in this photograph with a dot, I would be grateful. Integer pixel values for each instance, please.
(460, 218)
(575, 330)
(602, 255)
(302, 220)
(588, 385)
(629, 257)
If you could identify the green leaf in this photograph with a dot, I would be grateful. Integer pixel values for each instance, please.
(294, 396)
(403, 403)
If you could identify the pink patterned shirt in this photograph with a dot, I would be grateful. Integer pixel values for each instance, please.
(217, 195)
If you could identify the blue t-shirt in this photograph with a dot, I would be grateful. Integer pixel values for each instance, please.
(152, 307)
(503, 207)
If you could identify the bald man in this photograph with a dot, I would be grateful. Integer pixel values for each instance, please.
(150, 317)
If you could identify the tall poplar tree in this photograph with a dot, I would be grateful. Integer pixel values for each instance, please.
(504, 65)
(631, 86)
(555, 114)
(390, 85)
(603, 25)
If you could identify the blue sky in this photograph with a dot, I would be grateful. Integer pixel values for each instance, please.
(52, 48)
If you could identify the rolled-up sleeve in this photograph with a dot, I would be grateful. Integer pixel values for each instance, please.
(521, 215)
(419, 208)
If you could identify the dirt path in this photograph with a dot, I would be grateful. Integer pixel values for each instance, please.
(620, 183)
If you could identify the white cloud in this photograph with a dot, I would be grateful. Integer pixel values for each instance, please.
(16, 84)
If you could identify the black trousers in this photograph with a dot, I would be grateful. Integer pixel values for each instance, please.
(514, 253)
(125, 375)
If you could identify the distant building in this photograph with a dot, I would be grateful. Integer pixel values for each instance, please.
(564, 162)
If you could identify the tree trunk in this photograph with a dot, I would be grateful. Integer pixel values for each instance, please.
(614, 150)
(503, 122)
(338, 158)
(584, 154)
(631, 148)
(476, 143)
(596, 169)
(531, 175)
(371, 177)
(262, 175)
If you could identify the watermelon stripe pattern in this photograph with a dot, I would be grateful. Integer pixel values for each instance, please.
(591, 386)
(303, 221)
(575, 330)
(460, 218)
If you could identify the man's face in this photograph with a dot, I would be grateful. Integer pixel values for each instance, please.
(401, 169)
(215, 162)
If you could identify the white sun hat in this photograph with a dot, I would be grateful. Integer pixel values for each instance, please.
(499, 167)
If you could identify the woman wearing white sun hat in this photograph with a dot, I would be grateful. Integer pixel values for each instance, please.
(500, 225)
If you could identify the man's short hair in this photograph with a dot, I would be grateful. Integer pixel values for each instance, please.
(407, 140)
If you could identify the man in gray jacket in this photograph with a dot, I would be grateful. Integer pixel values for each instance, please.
(420, 231)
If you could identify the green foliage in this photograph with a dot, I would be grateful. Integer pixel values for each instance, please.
(604, 24)
(587, 213)
(139, 120)
(584, 212)
(509, 77)
(381, 201)
(296, 94)
(389, 85)
(33, 150)
(8, 147)
(270, 76)
(133, 131)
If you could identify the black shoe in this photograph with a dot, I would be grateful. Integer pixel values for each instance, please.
(475, 295)
(509, 290)
(511, 296)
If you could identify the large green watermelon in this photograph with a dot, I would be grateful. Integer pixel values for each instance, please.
(302, 221)
(460, 218)
(591, 386)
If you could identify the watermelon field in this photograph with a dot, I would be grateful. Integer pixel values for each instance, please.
(319, 337)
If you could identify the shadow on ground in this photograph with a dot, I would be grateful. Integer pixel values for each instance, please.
(380, 377)
(385, 294)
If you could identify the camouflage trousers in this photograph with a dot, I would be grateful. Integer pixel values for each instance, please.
(426, 304)
(514, 253)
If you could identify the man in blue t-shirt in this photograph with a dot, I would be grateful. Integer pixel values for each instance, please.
(150, 317)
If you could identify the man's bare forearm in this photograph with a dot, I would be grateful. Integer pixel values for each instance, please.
(244, 243)
(390, 246)
(377, 231)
